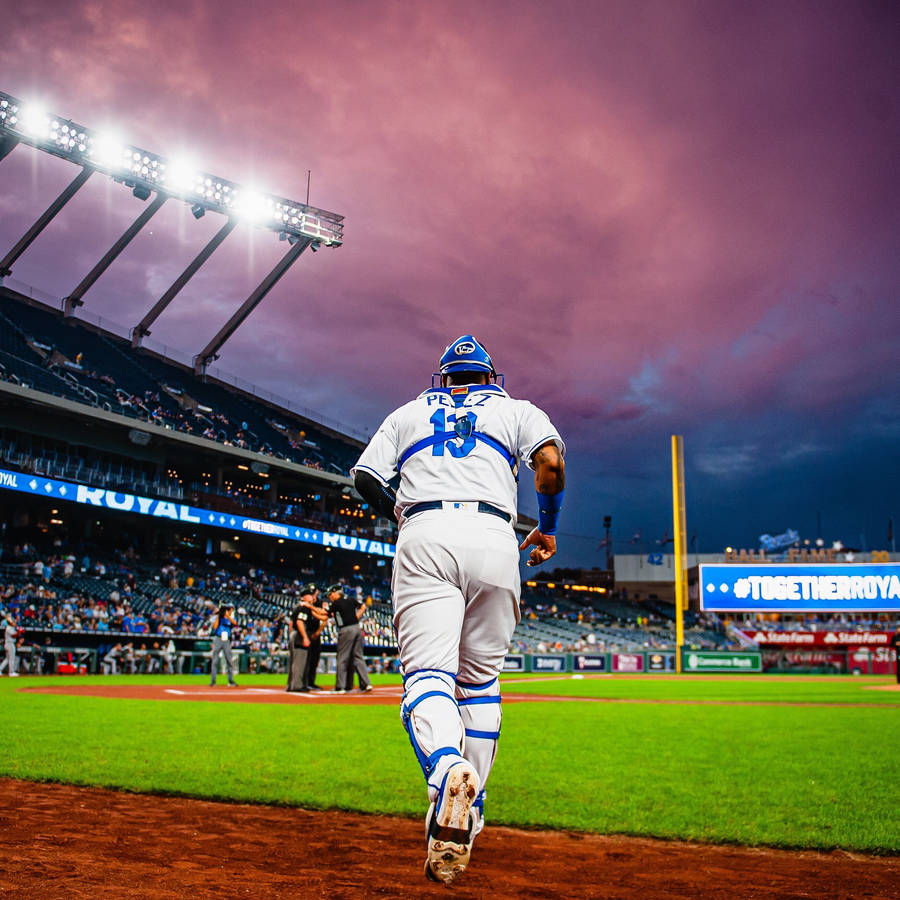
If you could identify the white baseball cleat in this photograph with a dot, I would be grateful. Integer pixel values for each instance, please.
(450, 825)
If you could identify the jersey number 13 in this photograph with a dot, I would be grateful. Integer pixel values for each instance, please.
(462, 427)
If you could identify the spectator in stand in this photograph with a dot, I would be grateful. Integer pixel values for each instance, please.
(129, 622)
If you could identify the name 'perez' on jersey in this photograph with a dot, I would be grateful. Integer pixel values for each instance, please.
(458, 443)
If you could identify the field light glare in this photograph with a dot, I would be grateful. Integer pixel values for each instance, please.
(109, 151)
(180, 175)
(143, 171)
(252, 206)
(35, 121)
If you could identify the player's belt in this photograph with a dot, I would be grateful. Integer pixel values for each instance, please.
(480, 506)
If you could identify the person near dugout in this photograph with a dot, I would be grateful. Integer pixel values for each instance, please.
(895, 643)
(223, 631)
(10, 629)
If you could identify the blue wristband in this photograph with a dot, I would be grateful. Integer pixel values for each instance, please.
(549, 506)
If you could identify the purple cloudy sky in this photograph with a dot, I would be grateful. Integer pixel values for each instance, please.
(659, 217)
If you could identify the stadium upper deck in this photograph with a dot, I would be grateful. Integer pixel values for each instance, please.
(77, 361)
(130, 420)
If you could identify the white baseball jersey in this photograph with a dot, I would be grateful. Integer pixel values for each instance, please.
(458, 443)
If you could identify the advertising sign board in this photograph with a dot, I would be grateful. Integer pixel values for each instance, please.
(628, 662)
(515, 662)
(871, 660)
(541, 663)
(660, 662)
(589, 662)
(848, 587)
(713, 661)
(71, 492)
(820, 638)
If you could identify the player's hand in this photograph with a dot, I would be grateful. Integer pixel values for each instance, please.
(543, 546)
(306, 643)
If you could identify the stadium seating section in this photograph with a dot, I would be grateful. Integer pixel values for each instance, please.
(42, 350)
(184, 594)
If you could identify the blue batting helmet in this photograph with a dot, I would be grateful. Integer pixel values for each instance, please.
(466, 354)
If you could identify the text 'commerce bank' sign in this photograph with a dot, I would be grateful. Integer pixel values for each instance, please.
(714, 661)
(66, 491)
(801, 588)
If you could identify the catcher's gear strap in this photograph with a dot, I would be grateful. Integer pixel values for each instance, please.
(474, 701)
(442, 437)
(420, 673)
(379, 495)
(481, 711)
(477, 687)
(431, 685)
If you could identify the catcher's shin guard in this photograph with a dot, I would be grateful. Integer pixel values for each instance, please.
(481, 712)
(431, 718)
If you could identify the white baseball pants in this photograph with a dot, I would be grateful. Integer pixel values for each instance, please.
(456, 603)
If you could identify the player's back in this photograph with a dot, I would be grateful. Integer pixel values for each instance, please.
(465, 443)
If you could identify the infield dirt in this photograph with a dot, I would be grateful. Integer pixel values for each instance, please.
(383, 695)
(65, 841)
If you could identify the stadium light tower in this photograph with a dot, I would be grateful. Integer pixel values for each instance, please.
(145, 174)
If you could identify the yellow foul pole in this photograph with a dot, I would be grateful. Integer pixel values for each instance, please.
(678, 531)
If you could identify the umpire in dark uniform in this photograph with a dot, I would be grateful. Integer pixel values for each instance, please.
(347, 613)
(302, 625)
(314, 630)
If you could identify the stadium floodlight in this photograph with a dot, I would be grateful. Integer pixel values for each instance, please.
(252, 206)
(31, 124)
(34, 120)
(107, 151)
(180, 175)
(146, 173)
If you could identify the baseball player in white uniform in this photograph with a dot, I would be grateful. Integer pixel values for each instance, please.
(10, 630)
(453, 454)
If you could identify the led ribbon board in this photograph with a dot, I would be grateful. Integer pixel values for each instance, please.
(101, 498)
(801, 588)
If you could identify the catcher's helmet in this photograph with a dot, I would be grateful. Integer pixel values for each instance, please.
(466, 354)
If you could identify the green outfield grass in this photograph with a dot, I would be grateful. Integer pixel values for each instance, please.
(816, 776)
